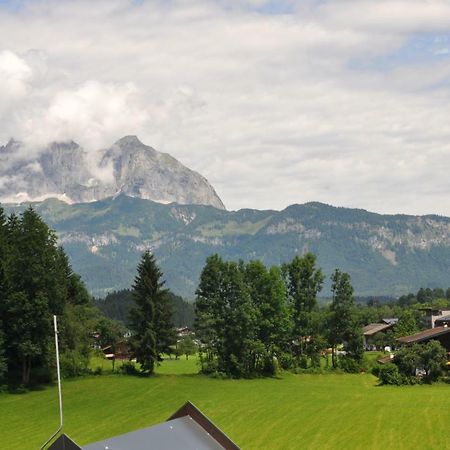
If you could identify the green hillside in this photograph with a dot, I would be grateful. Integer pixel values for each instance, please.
(385, 254)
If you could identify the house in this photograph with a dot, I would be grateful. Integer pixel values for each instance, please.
(443, 321)
(184, 331)
(122, 350)
(431, 315)
(187, 429)
(441, 334)
(372, 332)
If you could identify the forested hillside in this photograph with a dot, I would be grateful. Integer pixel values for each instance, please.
(384, 254)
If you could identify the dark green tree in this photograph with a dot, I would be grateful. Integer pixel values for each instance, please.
(406, 324)
(304, 281)
(36, 281)
(434, 358)
(209, 312)
(269, 298)
(186, 346)
(430, 357)
(342, 321)
(226, 320)
(150, 319)
(34, 292)
(3, 362)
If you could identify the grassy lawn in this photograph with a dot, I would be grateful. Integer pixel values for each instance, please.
(295, 411)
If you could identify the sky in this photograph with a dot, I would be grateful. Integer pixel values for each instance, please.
(274, 102)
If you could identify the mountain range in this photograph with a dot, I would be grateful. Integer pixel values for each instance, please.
(384, 254)
(109, 208)
(66, 171)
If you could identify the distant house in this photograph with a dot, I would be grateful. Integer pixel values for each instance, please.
(122, 350)
(372, 332)
(443, 321)
(431, 315)
(184, 331)
(441, 334)
(186, 429)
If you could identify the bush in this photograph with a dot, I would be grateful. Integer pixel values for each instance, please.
(73, 364)
(128, 368)
(389, 374)
(97, 371)
(286, 361)
(348, 364)
(271, 366)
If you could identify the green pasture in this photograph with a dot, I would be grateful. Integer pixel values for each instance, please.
(331, 411)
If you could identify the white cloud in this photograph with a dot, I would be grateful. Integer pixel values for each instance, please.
(268, 107)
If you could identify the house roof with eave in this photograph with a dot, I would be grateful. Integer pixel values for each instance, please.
(374, 328)
(187, 429)
(424, 335)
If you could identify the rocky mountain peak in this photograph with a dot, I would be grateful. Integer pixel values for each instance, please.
(130, 140)
(64, 170)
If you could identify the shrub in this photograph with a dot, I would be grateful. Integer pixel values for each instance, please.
(389, 374)
(128, 368)
(286, 360)
(348, 364)
(271, 366)
(73, 364)
(98, 371)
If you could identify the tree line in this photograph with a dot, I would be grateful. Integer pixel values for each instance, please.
(252, 319)
(37, 282)
(118, 304)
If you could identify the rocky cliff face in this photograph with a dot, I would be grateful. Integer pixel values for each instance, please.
(384, 254)
(65, 171)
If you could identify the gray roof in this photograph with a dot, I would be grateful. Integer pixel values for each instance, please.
(374, 328)
(443, 318)
(390, 320)
(181, 433)
(64, 443)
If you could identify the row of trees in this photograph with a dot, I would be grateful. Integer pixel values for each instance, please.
(36, 282)
(118, 304)
(426, 296)
(251, 318)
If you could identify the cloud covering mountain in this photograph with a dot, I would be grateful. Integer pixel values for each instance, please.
(66, 171)
(343, 102)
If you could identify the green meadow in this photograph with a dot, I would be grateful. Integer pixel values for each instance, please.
(331, 411)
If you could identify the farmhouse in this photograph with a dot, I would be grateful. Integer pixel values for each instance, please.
(443, 321)
(433, 315)
(122, 350)
(373, 331)
(187, 429)
(441, 334)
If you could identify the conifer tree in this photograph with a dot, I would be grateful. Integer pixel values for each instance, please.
(151, 317)
(3, 362)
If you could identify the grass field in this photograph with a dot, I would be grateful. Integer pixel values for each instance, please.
(292, 412)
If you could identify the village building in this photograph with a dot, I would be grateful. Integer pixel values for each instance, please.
(122, 351)
(443, 321)
(440, 334)
(372, 332)
(186, 429)
(431, 315)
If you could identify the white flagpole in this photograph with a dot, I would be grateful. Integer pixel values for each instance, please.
(55, 325)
